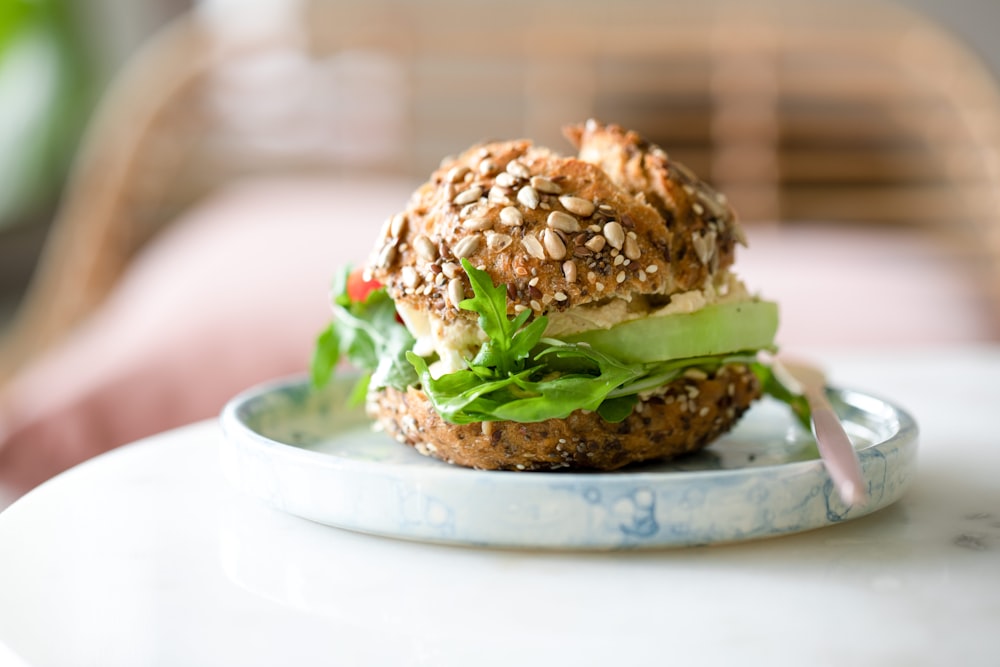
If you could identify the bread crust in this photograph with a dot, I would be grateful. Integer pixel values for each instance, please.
(685, 416)
(560, 232)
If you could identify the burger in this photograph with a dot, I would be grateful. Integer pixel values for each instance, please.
(534, 311)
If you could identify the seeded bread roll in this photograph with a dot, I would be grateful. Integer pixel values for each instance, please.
(619, 221)
(687, 415)
(618, 228)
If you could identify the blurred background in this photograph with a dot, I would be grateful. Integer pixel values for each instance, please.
(859, 141)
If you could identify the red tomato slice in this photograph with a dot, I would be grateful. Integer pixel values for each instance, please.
(358, 288)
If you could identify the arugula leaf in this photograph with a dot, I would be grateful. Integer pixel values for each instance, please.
(773, 387)
(368, 335)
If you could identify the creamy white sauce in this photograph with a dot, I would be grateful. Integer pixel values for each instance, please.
(460, 340)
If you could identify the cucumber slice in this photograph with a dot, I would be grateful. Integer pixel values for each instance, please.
(716, 329)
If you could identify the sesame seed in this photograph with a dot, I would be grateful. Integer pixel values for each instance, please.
(535, 305)
(546, 185)
(569, 270)
(511, 216)
(456, 291)
(642, 274)
(619, 259)
(591, 276)
(477, 224)
(703, 412)
(517, 169)
(620, 278)
(698, 208)
(528, 196)
(456, 174)
(560, 296)
(564, 222)
(534, 247)
(546, 299)
(425, 248)
(519, 308)
(466, 247)
(553, 244)
(533, 281)
(487, 167)
(652, 268)
(599, 287)
(631, 248)
(692, 391)
(577, 205)
(468, 196)
(596, 243)
(615, 235)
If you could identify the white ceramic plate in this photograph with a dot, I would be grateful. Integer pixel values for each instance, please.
(308, 454)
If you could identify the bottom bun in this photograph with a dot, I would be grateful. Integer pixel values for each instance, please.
(684, 417)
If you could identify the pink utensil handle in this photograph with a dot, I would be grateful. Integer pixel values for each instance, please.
(838, 453)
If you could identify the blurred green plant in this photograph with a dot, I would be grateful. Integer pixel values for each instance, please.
(45, 97)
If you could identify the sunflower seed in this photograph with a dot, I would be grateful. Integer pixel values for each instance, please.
(534, 247)
(631, 248)
(528, 196)
(467, 246)
(487, 167)
(409, 276)
(477, 224)
(620, 278)
(596, 244)
(496, 241)
(451, 269)
(554, 245)
(517, 169)
(456, 291)
(456, 174)
(506, 180)
(397, 225)
(546, 185)
(564, 222)
(425, 248)
(569, 270)
(498, 196)
(577, 205)
(468, 196)
(387, 255)
(511, 217)
(615, 235)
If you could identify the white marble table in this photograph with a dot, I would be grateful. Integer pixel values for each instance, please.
(144, 556)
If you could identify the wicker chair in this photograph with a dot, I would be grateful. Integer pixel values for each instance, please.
(851, 112)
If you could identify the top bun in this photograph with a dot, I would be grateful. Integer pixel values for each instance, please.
(619, 219)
